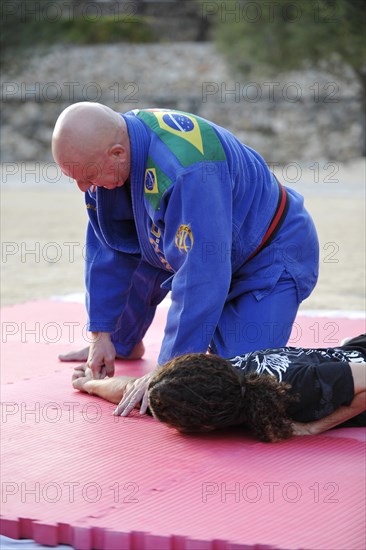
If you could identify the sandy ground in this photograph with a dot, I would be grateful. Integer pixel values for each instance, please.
(43, 222)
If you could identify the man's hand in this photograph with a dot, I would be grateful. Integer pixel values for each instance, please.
(133, 396)
(102, 354)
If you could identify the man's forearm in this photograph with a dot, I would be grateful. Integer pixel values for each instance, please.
(339, 416)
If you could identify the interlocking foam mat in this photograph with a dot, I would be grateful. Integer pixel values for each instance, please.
(74, 474)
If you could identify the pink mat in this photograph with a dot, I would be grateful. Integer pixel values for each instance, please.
(74, 474)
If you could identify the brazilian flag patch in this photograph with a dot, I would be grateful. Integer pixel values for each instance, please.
(190, 138)
(156, 183)
(151, 181)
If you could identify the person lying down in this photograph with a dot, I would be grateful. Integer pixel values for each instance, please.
(274, 393)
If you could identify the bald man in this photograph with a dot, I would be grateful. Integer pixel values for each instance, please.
(177, 203)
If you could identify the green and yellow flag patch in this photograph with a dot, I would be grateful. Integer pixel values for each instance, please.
(190, 138)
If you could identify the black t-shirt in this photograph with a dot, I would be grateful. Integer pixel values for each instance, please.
(322, 378)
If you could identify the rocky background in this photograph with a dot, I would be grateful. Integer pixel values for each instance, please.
(297, 116)
(312, 117)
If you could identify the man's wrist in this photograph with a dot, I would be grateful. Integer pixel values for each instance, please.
(100, 335)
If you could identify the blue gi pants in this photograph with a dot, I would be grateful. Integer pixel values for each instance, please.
(262, 302)
(247, 323)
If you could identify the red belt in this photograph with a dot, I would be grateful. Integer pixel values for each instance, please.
(276, 222)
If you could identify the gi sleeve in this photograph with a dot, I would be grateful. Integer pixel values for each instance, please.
(108, 280)
(197, 244)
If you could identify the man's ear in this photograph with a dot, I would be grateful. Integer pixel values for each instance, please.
(117, 150)
(83, 186)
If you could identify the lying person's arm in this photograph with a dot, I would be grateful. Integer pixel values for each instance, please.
(342, 414)
(110, 389)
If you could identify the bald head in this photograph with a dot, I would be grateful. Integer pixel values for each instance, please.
(90, 142)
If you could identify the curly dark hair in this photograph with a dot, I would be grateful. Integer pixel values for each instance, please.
(199, 393)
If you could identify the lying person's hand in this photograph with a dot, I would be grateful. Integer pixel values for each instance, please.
(102, 354)
(301, 428)
(134, 395)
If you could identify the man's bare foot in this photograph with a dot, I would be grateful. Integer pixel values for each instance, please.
(136, 353)
(81, 356)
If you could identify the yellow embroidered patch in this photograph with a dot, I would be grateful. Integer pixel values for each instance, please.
(184, 238)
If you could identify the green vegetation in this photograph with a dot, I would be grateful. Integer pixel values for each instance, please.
(29, 23)
(283, 34)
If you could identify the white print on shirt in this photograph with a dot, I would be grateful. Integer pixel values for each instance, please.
(277, 363)
(344, 355)
(271, 364)
(347, 356)
(274, 364)
(238, 360)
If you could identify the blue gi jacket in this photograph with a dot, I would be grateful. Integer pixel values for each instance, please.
(201, 203)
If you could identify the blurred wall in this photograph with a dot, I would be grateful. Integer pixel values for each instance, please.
(298, 116)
